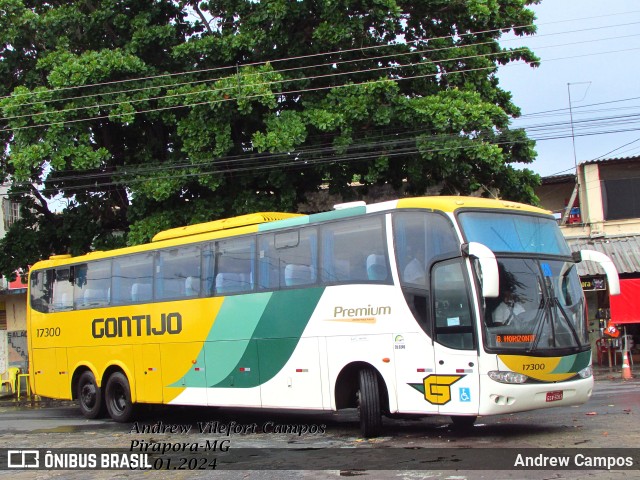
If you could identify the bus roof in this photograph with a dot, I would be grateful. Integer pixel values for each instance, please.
(224, 224)
(264, 221)
(453, 203)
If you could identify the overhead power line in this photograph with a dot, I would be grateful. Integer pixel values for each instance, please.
(357, 49)
(299, 159)
(593, 126)
(288, 92)
(391, 66)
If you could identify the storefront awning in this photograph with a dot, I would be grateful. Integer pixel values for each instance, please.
(624, 252)
(625, 308)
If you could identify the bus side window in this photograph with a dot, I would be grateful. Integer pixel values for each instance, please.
(288, 259)
(91, 284)
(177, 273)
(41, 286)
(62, 290)
(132, 279)
(351, 251)
(234, 266)
(421, 238)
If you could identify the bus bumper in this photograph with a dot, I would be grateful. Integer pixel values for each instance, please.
(499, 398)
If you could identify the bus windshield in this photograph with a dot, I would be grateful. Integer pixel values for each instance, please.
(540, 307)
(510, 232)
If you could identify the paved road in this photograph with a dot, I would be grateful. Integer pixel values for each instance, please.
(608, 420)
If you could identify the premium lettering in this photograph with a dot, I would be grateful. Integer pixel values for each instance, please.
(137, 326)
(368, 311)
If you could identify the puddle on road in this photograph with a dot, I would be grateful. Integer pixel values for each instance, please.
(75, 428)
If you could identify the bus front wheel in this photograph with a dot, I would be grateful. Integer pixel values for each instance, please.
(118, 398)
(369, 403)
(90, 396)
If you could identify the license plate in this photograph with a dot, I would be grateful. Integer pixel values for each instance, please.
(554, 396)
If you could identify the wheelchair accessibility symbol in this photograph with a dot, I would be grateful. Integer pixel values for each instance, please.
(465, 394)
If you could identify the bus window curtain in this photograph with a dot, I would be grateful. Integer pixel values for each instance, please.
(313, 245)
(400, 231)
(159, 276)
(252, 273)
(328, 260)
(263, 262)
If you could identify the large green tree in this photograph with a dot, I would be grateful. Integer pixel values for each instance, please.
(141, 115)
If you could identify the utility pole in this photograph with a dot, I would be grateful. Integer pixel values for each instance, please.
(576, 190)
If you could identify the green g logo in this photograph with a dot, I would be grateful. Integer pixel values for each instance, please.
(437, 388)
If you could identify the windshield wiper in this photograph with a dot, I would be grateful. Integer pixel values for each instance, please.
(540, 319)
(569, 323)
(547, 313)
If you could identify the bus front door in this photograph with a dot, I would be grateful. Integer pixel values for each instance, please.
(455, 386)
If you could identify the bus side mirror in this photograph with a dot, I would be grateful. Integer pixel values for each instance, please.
(488, 266)
(607, 265)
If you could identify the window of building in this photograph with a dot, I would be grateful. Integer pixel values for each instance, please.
(621, 198)
(11, 211)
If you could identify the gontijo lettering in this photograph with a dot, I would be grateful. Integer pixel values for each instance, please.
(137, 326)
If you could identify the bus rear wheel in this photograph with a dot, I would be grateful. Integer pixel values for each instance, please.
(90, 396)
(369, 403)
(118, 398)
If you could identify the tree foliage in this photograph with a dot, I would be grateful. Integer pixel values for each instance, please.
(146, 115)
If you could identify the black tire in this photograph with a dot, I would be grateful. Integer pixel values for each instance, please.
(369, 403)
(463, 421)
(90, 396)
(117, 396)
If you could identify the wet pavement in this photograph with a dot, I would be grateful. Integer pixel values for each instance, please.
(609, 419)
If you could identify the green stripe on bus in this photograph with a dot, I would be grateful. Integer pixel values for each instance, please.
(228, 338)
(289, 222)
(573, 363)
(274, 340)
(316, 217)
(239, 316)
(336, 214)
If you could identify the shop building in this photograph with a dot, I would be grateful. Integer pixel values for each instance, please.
(600, 210)
(13, 307)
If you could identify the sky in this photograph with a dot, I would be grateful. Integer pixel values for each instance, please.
(590, 52)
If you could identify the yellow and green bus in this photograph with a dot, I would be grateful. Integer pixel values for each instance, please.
(452, 306)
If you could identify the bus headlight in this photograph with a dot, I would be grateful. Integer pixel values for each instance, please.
(586, 372)
(507, 377)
